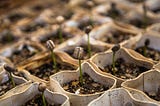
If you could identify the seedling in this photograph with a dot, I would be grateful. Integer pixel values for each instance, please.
(146, 44)
(10, 70)
(42, 87)
(114, 50)
(78, 53)
(60, 20)
(87, 31)
(51, 47)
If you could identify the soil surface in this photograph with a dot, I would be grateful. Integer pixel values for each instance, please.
(85, 54)
(155, 96)
(114, 13)
(15, 17)
(54, 36)
(116, 37)
(150, 53)
(32, 27)
(125, 70)
(7, 37)
(137, 1)
(89, 86)
(140, 23)
(5, 87)
(46, 70)
(20, 55)
(37, 101)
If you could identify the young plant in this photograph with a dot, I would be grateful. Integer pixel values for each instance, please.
(78, 53)
(42, 87)
(60, 20)
(10, 70)
(87, 31)
(51, 47)
(114, 50)
(146, 44)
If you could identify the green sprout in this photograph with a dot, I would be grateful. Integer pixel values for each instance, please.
(10, 70)
(42, 87)
(114, 50)
(78, 53)
(87, 31)
(51, 47)
(146, 44)
(60, 20)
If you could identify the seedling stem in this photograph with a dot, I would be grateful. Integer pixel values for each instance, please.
(51, 47)
(87, 31)
(114, 50)
(11, 77)
(78, 53)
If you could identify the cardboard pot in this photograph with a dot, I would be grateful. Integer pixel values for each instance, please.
(119, 97)
(57, 81)
(101, 60)
(25, 92)
(147, 83)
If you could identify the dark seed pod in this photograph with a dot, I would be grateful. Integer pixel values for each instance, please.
(147, 42)
(115, 48)
(88, 29)
(42, 87)
(9, 68)
(78, 52)
(50, 45)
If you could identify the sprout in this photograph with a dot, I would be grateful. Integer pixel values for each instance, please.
(42, 87)
(146, 44)
(51, 47)
(10, 70)
(114, 50)
(78, 53)
(60, 20)
(87, 31)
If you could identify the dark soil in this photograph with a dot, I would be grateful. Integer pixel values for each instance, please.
(16, 17)
(116, 37)
(155, 96)
(33, 27)
(150, 53)
(54, 36)
(156, 10)
(46, 70)
(89, 86)
(7, 37)
(5, 87)
(137, 1)
(125, 70)
(37, 101)
(113, 13)
(85, 54)
(20, 55)
(140, 23)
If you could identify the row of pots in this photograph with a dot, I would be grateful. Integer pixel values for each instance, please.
(132, 94)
